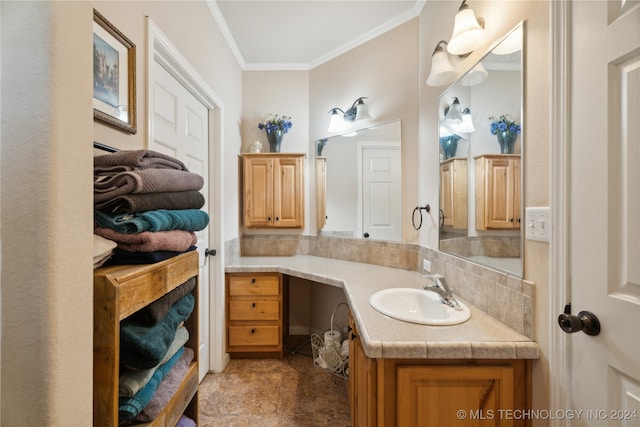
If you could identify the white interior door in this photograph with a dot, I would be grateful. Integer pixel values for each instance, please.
(180, 128)
(604, 226)
(381, 192)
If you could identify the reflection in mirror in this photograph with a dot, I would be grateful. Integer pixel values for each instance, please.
(359, 183)
(480, 143)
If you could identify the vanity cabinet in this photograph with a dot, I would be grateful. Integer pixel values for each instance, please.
(120, 291)
(498, 192)
(362, 382)
(321, 191)
(433, 392)
(256, 314)
(453, 192)
(273, 190)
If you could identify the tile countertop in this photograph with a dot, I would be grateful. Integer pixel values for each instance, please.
(481, 337)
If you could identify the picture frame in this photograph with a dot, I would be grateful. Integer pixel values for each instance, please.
(114, 76)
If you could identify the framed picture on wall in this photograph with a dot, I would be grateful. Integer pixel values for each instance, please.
(114, 76)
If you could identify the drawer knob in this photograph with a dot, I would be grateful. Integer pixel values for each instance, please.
(253, 331)
(253, 280)
(253, 305)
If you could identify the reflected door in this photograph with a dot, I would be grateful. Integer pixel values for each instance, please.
(381, 193)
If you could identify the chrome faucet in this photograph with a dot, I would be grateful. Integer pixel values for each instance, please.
(441, 287)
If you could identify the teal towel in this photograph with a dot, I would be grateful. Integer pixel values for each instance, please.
(158, 220)
(134, 380)
(143, 347)
(130, 407)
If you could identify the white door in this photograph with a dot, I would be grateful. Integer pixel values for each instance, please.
(180, 128)
(381, 192)
(604, 226)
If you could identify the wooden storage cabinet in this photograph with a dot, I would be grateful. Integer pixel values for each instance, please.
(498, 192)
(321, 191)
(430, 392)
(120, 291)
(257, 314)
(453, 192)
(273, 190)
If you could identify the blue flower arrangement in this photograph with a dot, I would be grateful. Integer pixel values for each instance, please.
(503, 125)
(282, 123)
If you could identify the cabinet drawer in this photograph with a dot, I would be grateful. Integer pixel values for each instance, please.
(253, 335)
(254, 285)
(254, 310)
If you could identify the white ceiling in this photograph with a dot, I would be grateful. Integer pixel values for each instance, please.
(302, 34)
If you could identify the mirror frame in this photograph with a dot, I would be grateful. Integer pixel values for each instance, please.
(470, 161)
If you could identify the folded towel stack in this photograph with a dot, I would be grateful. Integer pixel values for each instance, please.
(148, 203)
(153, 358)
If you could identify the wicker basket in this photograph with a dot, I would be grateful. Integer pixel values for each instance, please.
(329, 357)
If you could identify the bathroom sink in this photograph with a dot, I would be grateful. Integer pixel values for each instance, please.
(417, 306)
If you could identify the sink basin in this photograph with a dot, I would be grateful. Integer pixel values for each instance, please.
(417, 306)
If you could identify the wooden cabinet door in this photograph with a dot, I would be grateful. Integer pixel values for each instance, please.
(258, 191)
(498, 192)
(436, 396)
(362, 383)
(453, 193)
(288, 194)
(321, 191)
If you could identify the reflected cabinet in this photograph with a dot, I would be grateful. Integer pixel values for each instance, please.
(498, 191)
(453, 193)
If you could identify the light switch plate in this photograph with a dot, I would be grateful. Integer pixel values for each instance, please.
(538, 224)
(426, 265)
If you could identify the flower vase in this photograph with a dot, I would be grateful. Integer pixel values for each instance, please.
(506, 140)
(275, 138)
(449, 146)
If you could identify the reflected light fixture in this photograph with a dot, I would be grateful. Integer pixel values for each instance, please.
(475, 76)
(468, 32)
(340, 118)
(442, 72)
(452, 114)
(467, 124)
(510, 44)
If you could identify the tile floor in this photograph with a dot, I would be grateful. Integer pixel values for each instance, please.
(274, 393)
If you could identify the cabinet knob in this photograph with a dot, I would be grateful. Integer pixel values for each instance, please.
(277, 218)
(253, 331)
(253, 280)
(253, 305)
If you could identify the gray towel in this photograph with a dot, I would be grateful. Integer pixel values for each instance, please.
(144, 181)
(138, 159)
(147, 241)
(134, 203)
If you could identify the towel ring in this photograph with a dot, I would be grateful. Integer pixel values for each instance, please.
(419, 209)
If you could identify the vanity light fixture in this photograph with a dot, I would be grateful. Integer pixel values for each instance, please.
(468, 32)
(475, 76)
(442, 72)
(339, 117)
(452, 114)
(467, 124)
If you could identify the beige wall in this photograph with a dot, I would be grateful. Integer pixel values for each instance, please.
(436, 23)
(47, 132)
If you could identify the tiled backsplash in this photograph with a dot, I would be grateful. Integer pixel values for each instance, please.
(507, 298)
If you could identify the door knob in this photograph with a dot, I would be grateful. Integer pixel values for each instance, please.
(585, 321)
(211, 252)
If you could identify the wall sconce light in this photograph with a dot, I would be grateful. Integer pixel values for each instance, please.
(468, 32)
(475, 76)
(442, 72)
(467, 124)
(452, 114)
(339, 117)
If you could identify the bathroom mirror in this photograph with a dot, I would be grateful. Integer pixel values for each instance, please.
(481, 159)
(359, 183)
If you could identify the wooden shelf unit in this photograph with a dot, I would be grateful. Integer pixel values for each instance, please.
(120, 291)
